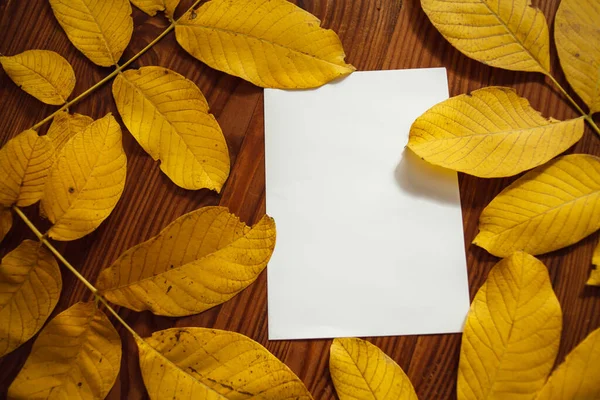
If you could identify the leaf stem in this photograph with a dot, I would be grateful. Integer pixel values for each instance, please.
(71, 268)
(50, 247)
(115, 72)
(190, 8)
(112, 74)
(106, 79)
(117, 316)
(42, 238)
(587, 117)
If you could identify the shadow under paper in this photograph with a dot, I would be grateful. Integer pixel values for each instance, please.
(421, 179)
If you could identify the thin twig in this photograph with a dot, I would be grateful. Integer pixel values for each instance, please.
(103, 81)
(50, 247)
(115, 72)
(118, 317)
(42, 238)
(587, 117)
(71, 268)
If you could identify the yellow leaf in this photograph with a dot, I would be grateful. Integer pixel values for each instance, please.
(5, 222)
(24, 164)
(65, 126)
(209, 364)
(577, 378)
(361, 371)
(44, 74)
(271, 43)
(212, 257)
(168, 116)
(549, 208)
(76, 356)
(30, 285)
(577, 36)
(594, 279)
(100, 29)
(490, 133)
(86, 181)
(508, 34)
(150, 7)
(512, 333)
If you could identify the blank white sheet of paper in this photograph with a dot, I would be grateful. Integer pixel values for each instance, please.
(369, 236)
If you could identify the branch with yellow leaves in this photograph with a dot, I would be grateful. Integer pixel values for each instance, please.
(117, 70)
(44, 240)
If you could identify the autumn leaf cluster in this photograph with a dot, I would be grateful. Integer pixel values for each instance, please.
(513, 329)
(509, 347)
(493, 132)
(77, 172)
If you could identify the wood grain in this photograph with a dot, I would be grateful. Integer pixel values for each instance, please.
(377, 34)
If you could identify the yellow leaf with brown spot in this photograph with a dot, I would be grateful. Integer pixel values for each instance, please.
(509, 34)
(24, 164)
(86, 181)
(76, 356)
(44, 74)
(151, 7)
(594, 279)
(168, 116)
(512, 333)
(271, 43)
(491, 132)
(577, 377)
(209, 364)
(361, 371)
(550, 207)
(64, 126)
(577, 36)
(30, 285)
(100, 29)
(212, 257)
(6, 222)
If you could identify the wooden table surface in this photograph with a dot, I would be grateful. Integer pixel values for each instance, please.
(377, 34)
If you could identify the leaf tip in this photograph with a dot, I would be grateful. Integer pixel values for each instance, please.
(594, 279)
